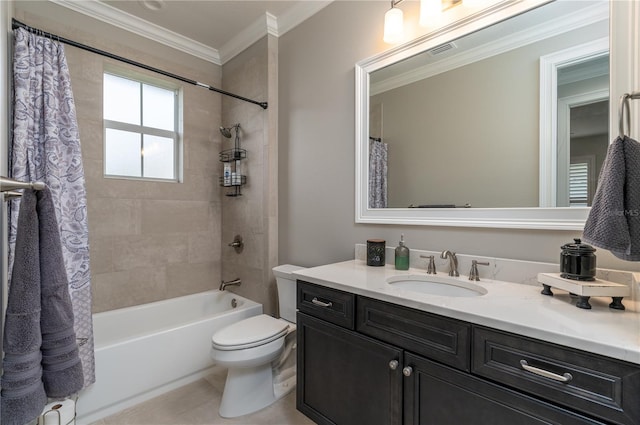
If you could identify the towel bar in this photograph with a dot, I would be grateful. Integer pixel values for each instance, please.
(8, 185)
(623, 112)
(11, 194)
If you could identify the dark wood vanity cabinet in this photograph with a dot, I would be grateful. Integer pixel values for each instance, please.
(396, 365)
(344, 377)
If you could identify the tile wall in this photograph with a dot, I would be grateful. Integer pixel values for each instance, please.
(253, 215)
(149, 240)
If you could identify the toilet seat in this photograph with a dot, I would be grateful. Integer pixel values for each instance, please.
(248, 333)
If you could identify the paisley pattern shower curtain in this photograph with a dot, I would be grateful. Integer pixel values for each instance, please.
(45, 146)
(378, 151)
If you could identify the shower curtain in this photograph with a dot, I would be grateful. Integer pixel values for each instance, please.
(377, 174)
(45, 146)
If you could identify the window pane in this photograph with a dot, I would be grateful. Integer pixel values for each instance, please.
(121, 99)
(158, 106)
(158, 157)
(122, 153)
(579, 184)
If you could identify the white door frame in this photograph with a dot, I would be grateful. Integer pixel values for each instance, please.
(549, 66)
(563, 149)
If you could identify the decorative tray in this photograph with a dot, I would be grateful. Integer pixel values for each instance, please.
(584, 289)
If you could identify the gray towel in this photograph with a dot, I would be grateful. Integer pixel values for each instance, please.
(23, 394)
(614, 219)
(61, 367)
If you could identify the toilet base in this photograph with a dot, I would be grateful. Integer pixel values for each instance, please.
(285, 383)
(247, 390)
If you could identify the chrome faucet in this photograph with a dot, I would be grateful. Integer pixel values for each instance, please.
(431, 268)
(453, 262)
(234, 282)
(473, 273)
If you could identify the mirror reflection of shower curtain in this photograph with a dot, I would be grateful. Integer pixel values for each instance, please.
(45, 146)
(378, 152)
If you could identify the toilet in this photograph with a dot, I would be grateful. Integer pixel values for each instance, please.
(258, 352)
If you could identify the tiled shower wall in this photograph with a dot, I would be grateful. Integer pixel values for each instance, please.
(149, 240)
(253, 74)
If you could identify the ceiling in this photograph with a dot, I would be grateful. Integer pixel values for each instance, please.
(210, 29)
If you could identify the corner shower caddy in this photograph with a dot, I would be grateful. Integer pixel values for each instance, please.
(233, 156)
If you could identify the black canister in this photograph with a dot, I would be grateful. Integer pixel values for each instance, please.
(578, 261)
(375, 252)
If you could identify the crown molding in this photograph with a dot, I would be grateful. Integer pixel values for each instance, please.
(545, 30)
(262, 26)
(272, 25)
(299, 13)
(269, 24)
(141, 27)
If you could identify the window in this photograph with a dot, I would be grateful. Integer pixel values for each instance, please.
(580, 181)
(141, 129)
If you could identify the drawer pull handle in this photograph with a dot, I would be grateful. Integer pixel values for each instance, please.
(566, 377)
(316, 301)
(393, 364)
(407, 371)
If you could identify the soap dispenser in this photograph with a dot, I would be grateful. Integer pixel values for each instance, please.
(402, 255)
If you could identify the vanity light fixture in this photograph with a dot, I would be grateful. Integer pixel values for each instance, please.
(393, 24)
(429, 10)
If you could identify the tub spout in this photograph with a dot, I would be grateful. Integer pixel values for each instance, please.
(234, 282)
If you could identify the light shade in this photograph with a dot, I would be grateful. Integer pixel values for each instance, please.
(430, 10)
(393, 26)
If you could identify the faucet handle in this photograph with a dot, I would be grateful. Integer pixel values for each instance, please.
(473, 274)
(431, 268)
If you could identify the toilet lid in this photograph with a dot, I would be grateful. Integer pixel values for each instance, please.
(251, 332)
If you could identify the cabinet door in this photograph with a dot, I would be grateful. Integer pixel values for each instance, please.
(439, 395)
(344, 378)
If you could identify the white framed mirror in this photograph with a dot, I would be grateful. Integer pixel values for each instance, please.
(403, 95)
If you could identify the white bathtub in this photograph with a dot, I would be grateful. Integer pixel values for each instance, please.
(146, 350)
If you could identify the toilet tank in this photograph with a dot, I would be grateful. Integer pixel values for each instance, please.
(286, 291)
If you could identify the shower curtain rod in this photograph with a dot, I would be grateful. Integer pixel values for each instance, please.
(17, 24)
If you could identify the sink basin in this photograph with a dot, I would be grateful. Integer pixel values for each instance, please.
(436, 285)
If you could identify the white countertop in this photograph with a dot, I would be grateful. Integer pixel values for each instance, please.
(512, 307)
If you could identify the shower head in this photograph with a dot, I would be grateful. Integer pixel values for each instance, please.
(226, 131)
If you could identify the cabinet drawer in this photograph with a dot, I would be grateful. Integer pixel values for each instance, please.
(439, 395)
(435, 337)
(597, 385)
(328, 304)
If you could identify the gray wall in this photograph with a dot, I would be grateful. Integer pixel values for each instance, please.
(317, 151)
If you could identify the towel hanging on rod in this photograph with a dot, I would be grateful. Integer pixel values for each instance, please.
(623, 112)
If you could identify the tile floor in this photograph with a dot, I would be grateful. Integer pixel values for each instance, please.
(197, 404)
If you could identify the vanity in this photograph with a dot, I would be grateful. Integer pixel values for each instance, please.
(369, 352)
(373, 352)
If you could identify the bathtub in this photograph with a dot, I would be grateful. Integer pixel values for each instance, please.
(146, 350)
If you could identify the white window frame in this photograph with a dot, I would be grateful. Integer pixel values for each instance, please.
(175, 135)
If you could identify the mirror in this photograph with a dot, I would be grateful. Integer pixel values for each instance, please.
(489, 123)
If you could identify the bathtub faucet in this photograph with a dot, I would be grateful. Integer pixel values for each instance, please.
(234, 282)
